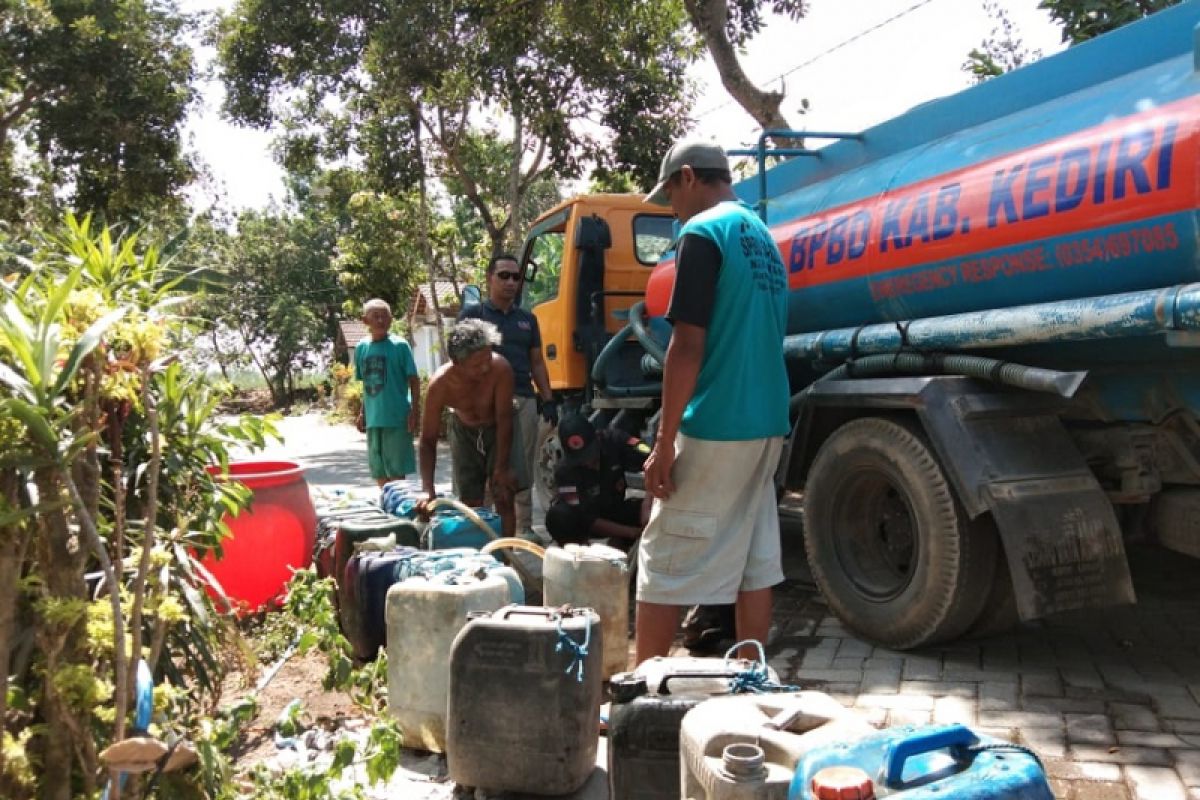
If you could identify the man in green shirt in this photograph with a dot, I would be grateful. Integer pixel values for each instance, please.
(713, 534)
(391, 399)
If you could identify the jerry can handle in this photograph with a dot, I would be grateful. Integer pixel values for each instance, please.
(528, 611)
(936, 739)
(722, 675)
(550, 614)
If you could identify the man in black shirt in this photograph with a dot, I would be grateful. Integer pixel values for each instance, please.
(591, 504)
(521, 346)
(591, 501)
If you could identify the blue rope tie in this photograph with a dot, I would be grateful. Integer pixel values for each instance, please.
(578, 651)
(755, 678)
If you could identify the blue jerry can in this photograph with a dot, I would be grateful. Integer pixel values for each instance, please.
(452, 529)
(932, 762)
(401, 498)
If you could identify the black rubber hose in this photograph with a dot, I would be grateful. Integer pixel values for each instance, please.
(606, 354)
(643, 336)
(634, 326)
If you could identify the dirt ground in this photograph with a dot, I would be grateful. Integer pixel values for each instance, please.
(298, 679)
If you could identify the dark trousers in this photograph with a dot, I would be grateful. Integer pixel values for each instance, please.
(569, 524)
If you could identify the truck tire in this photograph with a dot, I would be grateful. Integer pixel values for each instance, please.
(999, 613)
(889, 545)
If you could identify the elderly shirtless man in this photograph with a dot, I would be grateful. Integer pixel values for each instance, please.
(477, 385)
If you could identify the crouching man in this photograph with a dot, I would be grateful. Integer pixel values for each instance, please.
(591, 501)
(477, 386)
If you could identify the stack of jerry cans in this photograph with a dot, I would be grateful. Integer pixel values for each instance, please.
(349, 535)
(373, 574)
(648, 706)
(747, 747)
(401, 498)
(329, 519)
(353, 531)
(524, 707)
(931, 762)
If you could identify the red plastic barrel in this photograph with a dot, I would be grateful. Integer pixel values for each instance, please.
(271, 537)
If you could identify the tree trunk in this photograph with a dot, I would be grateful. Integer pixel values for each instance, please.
(423, 230)
(262, 367)
(513, 224)
(153, 470)
(13, 542)
(220, 356)
(709, 18)
(60, 557)
(437, 308)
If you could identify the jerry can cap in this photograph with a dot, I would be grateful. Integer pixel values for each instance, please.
(842, 783)
(627, 687)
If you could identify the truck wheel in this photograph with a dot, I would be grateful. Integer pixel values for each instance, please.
(889, 545)
(546, 458)
(999, 613)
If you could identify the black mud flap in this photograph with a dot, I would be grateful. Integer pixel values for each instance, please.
(1010, 454)
(1063, 544)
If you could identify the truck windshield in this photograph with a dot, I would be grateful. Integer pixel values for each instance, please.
(652, 235)
(543, 263)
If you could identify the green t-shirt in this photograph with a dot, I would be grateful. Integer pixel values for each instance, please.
(742, 389)
(384, 368)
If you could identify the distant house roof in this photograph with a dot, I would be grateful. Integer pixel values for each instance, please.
(350, 333)
(446, 295)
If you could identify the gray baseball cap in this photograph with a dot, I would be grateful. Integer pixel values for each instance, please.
(694, 153)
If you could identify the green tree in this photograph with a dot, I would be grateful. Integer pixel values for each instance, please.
(1086, 19)
(1002, 51)
(92, 97)
(116, 443)
(278, 292)
(564, 84)
(378, 254)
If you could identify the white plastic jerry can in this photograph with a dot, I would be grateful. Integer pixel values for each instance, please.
(747, 747)
(423, 617)
(593, 576)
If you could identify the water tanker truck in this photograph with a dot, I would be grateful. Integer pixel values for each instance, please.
(993, 335)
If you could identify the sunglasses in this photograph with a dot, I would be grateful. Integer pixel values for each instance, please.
(509, 276)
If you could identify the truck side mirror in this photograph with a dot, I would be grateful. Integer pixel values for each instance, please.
(470, 296)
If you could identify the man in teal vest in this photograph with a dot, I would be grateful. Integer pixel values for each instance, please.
(713, 534)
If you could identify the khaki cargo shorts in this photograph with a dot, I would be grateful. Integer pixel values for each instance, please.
(719, 533)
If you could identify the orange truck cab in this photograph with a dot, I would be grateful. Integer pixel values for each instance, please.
(586, 261)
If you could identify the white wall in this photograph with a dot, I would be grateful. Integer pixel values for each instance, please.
(427, 352)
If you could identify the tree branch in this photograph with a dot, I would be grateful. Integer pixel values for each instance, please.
(469, 185)
(150, 525)
(535, 166)
(26, 101)
(709, 18)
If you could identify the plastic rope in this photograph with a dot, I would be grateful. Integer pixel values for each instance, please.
(755, 679)
(578, 651)
(1006, 746)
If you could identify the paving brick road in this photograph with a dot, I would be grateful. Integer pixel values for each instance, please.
(1109, 699)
